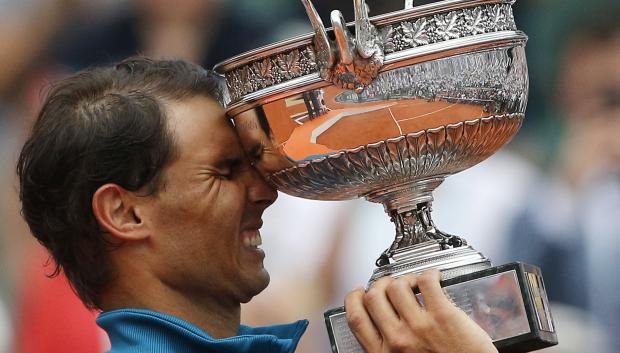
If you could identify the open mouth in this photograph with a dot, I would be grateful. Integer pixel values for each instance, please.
(252, 238)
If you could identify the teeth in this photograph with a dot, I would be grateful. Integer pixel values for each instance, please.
(253, 240)
(247, 242)
(258, 241)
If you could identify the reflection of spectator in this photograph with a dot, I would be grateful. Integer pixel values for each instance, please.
(320, 101)
(315, 103)
(572, 219)
(307, 96)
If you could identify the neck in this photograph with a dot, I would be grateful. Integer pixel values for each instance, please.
(219, 319)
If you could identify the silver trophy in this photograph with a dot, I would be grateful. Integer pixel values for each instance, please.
(386, 108)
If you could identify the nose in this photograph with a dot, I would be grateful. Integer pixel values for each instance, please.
(259, 191)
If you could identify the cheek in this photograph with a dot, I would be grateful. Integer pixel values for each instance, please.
(200, 219)
(227, 217)
(211, 215)
(227, 205)
(176, 218)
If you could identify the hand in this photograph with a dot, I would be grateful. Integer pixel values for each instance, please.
(388, 318)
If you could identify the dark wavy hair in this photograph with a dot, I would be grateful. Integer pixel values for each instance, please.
(101, 125)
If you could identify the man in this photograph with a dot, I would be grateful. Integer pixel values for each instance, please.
(136, 183)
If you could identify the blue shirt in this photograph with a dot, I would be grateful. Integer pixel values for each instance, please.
(146, 331)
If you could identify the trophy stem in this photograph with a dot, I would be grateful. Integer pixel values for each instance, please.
(409, 206)
(405, 196)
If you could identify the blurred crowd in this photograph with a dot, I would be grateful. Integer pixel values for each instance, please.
(550, 198)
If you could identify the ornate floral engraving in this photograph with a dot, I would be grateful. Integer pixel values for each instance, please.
(447, 26)
(288, 64)
(443, 27)
(246, 77)
(387, 36)
(474, 21)
(270, 71)
(263, 69)
(306, 60)
(415, 32)
(499, 17)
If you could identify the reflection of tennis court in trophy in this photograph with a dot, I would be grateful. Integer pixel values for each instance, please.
(313, 136)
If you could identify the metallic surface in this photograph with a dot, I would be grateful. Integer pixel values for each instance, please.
(452, 262)
(387, 114)
(418, 122)
(432, 24)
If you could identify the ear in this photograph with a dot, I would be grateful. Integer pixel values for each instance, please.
(118, 213)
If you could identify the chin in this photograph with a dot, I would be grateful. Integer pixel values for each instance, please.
(256, 285)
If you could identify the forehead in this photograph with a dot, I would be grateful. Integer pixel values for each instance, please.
(200, 124)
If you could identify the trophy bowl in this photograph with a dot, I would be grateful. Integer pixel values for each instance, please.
(386, 108)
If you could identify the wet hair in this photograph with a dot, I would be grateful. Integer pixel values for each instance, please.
(99, 126)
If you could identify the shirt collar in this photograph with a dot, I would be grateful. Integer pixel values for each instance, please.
(140, 330)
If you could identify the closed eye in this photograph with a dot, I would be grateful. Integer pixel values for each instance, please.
(228, 167)
(255, 152)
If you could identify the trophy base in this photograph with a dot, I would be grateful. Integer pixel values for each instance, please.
(452, 262)
(509, 302)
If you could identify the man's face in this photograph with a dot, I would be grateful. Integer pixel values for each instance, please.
(205, 219)
(259, 146)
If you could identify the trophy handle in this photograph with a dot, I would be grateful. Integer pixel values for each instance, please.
(365, 32)
(338, 62)
(343, 38)
(324, 51)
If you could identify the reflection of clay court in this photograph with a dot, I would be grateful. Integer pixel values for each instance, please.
(349, 125)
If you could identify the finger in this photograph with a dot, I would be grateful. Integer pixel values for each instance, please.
(434, 296)
(379, 307)
(360, 322)
(400, 293)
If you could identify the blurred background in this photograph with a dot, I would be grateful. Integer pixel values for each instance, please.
(550, 198)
